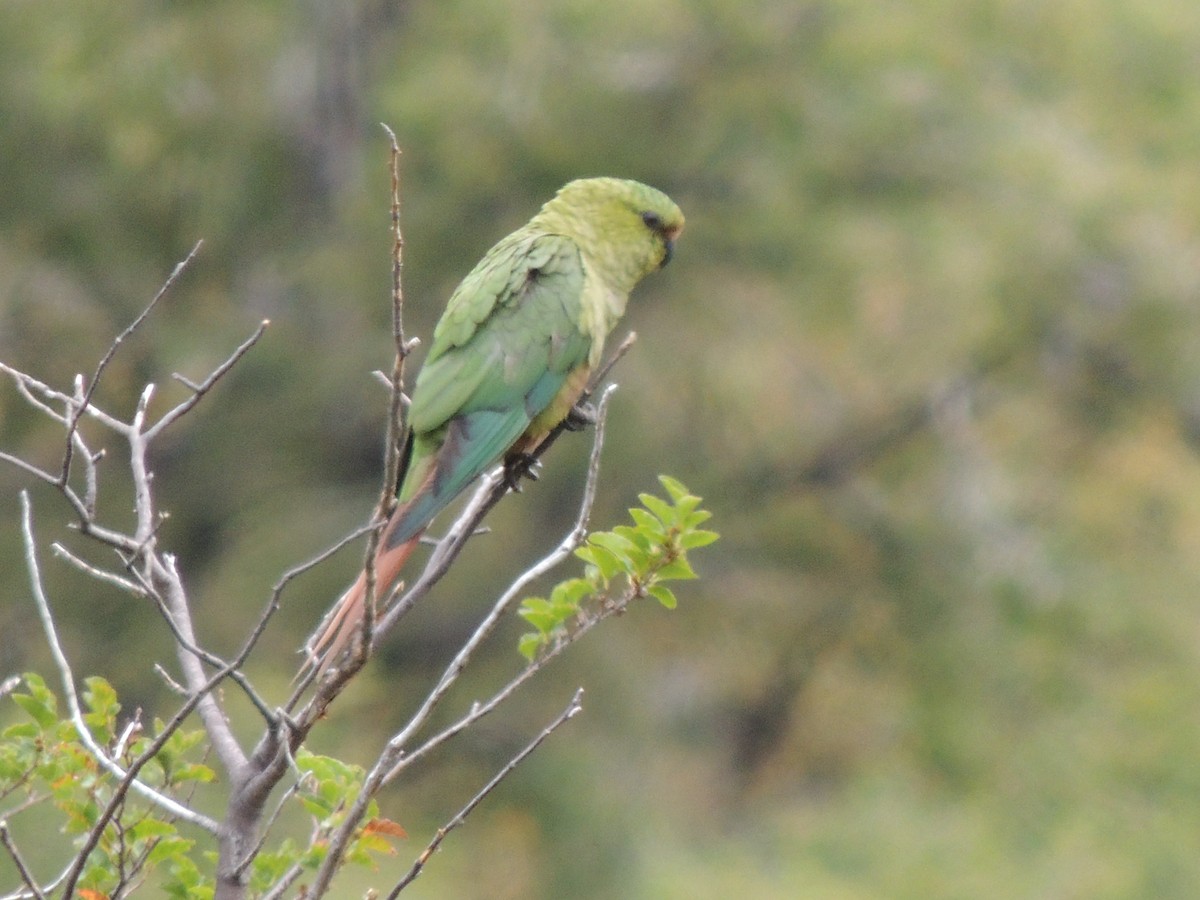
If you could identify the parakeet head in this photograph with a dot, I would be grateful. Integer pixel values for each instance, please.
(625, 228)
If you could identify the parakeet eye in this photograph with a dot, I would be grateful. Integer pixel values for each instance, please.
(653, 221)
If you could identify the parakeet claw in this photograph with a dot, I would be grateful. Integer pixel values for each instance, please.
(518, 466)
(581, 416)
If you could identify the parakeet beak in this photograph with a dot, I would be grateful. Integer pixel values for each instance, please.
(668, 236)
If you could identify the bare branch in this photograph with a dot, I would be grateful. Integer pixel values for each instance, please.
(8, 685)
(68, 684)
(219, 731)
(26, 875)
(199, 390)
(99, 574)
(182, 641)
(248, 859)
(86, 401)
(30, 468)
(393, 447)
(286, 880)
(174, 686)
(574, 707)
(48, 888)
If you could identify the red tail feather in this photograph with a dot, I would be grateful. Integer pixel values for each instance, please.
(346, 617)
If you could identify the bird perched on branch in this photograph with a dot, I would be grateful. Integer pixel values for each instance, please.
(510, 357)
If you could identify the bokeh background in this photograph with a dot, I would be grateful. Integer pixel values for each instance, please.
(929, 351)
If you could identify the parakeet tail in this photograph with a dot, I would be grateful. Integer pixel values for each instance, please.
(345, 619)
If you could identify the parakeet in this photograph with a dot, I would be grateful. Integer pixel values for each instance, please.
(511, 355)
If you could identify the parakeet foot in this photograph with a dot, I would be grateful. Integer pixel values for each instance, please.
(581, 416)
(518, 466)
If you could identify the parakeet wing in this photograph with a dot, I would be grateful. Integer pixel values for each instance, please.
(503, 350)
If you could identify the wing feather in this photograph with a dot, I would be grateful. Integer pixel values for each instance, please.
(503, 351)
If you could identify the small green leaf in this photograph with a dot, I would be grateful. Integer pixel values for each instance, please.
(661, 508)
(698, 538)
(194, 772)
(633, 557)
(151, 828)
(37, 709)
(676, 569)
(529, 644)
(100, 697)
(315, 807)
(636, 536)
(169, 848)
(621, 547)
(571, 592)
(647, 522)
(603, 559)
(20, 730)
(539, 613)
(663, 595)
(674, 487)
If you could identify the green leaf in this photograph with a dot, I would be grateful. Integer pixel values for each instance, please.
(539, 613)
(169, 848)
(646, 522)
(621, 547)
(674, 487)
(529, 644)
(20, 730)
(698, 538)
(661, 508)
(100, 697)
(194, 772)
(37, 709)
(571, 592)
(315, 806)
(603, 559)
(151, 828)
(633, 558)
(676, 570)
(637, 536)
(663, 595)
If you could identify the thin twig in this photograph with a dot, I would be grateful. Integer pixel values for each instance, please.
(68, 684)
(26, 875)
(48, 888)
(30, 468)
(396, 410)
(199, 390)
(86, 401)
(393, 451)
(395, 429)
(8, 685)
(574, 707)
(285, 881)
(265, 830)
(99, 574)
(478, 710)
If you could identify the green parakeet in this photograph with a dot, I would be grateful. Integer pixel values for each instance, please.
(511, 355)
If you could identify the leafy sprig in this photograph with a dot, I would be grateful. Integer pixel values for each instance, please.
(624, 564)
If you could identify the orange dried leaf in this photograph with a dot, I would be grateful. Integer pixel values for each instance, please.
(385, 826)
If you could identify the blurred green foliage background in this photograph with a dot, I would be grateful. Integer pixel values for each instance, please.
(929, 350)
